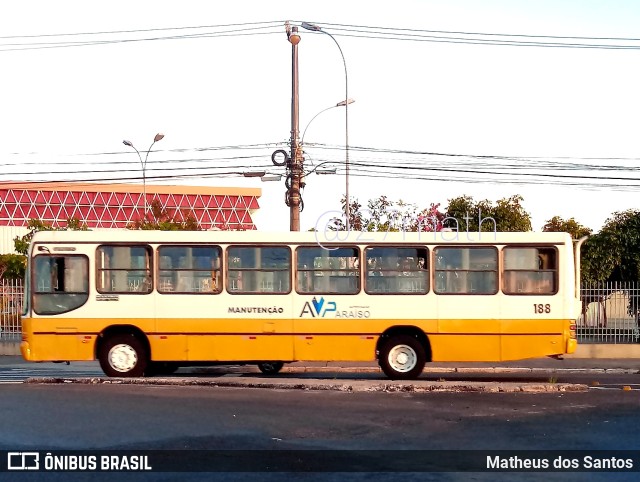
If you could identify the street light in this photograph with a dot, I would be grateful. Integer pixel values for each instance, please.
(254, 174)
(144, 166)
(316, 28)
(271, 177)
(342, 103)
(320, 169)
(264, 176)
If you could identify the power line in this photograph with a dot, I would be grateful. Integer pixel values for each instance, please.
(357, 31)
(398, 159)
(7, 47)
(477, 38)
(454, 32)
(165, 29)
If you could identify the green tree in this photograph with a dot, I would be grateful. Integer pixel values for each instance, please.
(558, 225)
(507, 214)
(382, 214)
(164, 220)
(12, 266)
(613, 254)
(22, 243)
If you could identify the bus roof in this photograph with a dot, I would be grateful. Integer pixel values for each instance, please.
(322, 238)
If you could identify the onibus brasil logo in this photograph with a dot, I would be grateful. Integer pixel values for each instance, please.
(320, 308)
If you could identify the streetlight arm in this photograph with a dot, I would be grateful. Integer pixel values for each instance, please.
(143, 164)
(342, 103)
(312, 119)
(130, 144)
(315, 169)
(316, 28)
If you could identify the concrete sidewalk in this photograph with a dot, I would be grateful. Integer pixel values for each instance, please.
(353, 376)
(600, 365)
(328, 384)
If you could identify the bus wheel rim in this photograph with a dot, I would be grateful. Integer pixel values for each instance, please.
(123, 358)
(402, 358)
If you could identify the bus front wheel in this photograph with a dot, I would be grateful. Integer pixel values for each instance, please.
(270, 368)
(402, 358)
(123, 356)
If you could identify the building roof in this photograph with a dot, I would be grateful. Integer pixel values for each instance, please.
(129, 188)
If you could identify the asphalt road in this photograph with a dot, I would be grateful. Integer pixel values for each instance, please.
(98, 416)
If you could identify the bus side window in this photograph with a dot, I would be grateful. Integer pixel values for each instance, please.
(124, 269)
(259, 269)
(319, 270)
(466, 270)
(396, 270)
(529, 270)
(61, 283)
(189, 269)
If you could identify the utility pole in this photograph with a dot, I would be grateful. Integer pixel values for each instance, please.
(296, 161)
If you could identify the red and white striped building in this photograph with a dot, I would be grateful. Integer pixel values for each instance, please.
(116, 205)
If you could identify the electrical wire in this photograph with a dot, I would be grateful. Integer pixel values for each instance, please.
(344, 30)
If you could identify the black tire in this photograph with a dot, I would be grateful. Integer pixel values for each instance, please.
(287, 159)
(161, 368)
(123, 355)
(270, 368)
(402, 358)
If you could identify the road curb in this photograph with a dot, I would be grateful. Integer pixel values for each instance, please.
(390, 386)
(428, 370)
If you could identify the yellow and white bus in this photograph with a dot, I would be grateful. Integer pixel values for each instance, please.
(147, 302)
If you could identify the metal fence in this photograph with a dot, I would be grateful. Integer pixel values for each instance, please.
(10, 309)
(610, 312)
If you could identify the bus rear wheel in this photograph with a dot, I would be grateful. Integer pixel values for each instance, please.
(402, 358)
(270, 368)
(123, 356)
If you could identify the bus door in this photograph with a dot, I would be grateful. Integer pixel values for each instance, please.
(60, 291)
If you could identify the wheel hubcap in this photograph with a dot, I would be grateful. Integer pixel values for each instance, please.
(123, 358)
(402, 358)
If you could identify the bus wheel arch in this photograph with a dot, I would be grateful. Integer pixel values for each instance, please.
(123, 351)
(402, 352)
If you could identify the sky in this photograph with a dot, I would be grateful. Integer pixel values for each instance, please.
(484, 98)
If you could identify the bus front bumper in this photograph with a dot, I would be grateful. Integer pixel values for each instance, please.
(25, 350)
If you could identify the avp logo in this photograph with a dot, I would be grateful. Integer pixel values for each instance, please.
(318, 308)
(23, 460)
